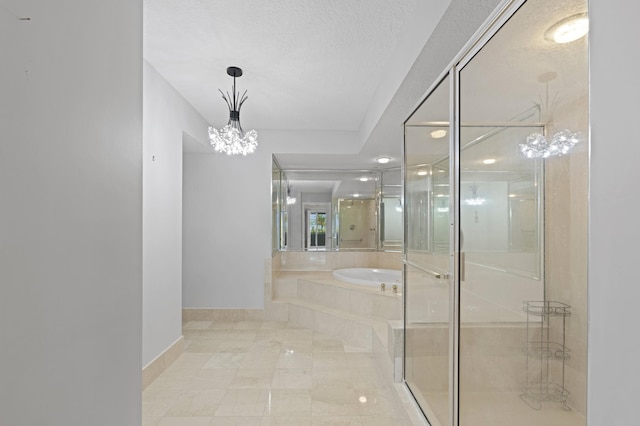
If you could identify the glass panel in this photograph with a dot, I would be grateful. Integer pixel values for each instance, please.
(276, 186)
(427, 342)
(523, 223)
(391, 211)
(392, 231)
(357, 227)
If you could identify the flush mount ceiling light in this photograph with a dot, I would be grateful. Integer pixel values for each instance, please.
(569, 29)
(489, 161)
(383, 160)
(231, 139)
(364, 179)
(437, 134)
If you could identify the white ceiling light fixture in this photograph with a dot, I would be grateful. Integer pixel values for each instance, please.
(364, 179)
(231, 139)
(383, 160)
(489, 161)
(569, 29)
(440, 133)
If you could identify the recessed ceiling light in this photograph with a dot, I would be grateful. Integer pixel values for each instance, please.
(440, 133)
(364, 179)
(356, 195)
(383, 160)
(569, 29)
(489, 161)
(422, 173)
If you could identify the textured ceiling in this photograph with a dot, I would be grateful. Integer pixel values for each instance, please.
(307, 65)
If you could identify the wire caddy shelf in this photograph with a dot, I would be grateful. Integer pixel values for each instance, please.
(546, 353)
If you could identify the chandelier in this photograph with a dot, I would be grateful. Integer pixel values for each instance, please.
(231, 139)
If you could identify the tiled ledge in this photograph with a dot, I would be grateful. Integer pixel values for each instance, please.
(321, 288)
(330, 260)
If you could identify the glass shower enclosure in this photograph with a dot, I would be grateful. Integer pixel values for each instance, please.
(495, 187)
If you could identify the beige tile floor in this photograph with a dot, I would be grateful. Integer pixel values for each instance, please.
(258, 373)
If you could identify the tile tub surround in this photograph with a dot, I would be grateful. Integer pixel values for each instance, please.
(271, 373)
(363, 317)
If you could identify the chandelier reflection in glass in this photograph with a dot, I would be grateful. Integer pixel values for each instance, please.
(231, 139)
(537, 146)
(475, 200)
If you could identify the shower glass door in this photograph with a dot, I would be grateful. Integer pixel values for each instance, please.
(496, 174)
(428, 292)
(522, 221)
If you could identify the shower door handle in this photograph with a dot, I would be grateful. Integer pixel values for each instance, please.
(462, 266)
(436, 275)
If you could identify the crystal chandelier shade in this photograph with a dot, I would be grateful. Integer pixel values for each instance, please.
(231, 139)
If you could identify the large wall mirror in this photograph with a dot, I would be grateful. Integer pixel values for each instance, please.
(331, 210)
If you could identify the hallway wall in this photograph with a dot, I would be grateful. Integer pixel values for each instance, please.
(70, 213)
(168, 122)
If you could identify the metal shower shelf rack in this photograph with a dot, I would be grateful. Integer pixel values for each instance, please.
(542, 349)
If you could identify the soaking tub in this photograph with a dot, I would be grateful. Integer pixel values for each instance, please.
(369, 276)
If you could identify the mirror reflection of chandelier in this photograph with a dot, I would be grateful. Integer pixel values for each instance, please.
(231, 139)
(290, 200)
(537, 145)
(474, 200)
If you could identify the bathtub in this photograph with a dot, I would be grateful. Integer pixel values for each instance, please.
(369, 276)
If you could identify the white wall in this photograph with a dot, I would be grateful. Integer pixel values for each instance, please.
(227, 229)
(614, 232)
(70, 213)
(168, 119)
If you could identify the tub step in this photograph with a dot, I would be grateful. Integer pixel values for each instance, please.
(354, 329)
(358, 332)
(363, 318)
